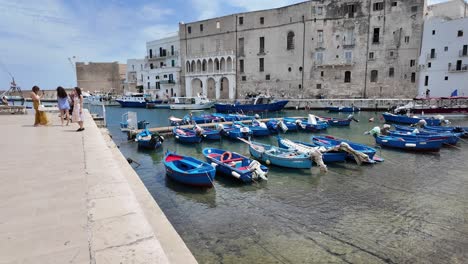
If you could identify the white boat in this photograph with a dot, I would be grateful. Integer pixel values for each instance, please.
(100, 99)
(191, 103)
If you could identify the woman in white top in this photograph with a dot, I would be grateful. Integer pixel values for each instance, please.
(77, 115)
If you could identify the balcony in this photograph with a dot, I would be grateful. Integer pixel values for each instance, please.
(336, 64)
(431, 56)
(167, 82)
(168, 55)
(207, 55)
(463, 53)
(458, 68)
(320, 45)
(347, 44)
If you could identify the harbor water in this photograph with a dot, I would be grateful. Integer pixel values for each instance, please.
(412, 208)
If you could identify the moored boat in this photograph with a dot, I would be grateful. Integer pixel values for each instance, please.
(281, 157)
(403, 119)
(275, 126)
(235, 165)
(257, 104)
(334, 156)
(189, 170)
(330, 141)
(409, 144)
(447, 138)
(185, 135)
(191, 103)
(347, 109)
(148, 140)
(136, 100)
(234, 131)
(332, 121)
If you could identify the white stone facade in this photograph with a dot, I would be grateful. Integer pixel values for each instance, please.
(444, 57)
(135, 71)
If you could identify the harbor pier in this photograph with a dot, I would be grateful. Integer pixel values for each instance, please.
(71, 197)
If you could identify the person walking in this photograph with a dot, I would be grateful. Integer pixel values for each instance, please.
(77, 115)
(40, 116)
(63, 104)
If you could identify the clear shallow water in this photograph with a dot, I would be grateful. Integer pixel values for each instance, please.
(409, 209)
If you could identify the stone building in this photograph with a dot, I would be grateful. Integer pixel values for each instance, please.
(104, 77)
(321, 48)
(135, 69)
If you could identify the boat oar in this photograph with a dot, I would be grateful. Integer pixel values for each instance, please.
(256, 147)
(130, 161)
(212, 183)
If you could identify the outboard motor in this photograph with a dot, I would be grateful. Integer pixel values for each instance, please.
(142, 124)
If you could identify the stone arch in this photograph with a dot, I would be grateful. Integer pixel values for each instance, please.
(229, 64)
(216, 65)
(198, 66)
(222, 64)
(211, 88)
(187, 66)
(224, 88)
(192, 66)
(204, 65)
(197, 87)
(210, 65)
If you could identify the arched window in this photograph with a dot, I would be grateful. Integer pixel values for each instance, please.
(374, 74)
(347, 77)
(290, 41)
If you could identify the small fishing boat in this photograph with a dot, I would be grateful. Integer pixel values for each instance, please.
(425, 131)
(403, 119)
(259, 129)
(189, 170)
(136, 100)
(148, 140)
(281, 157)
(330, 141)
(308, 124)
(347, 109)
(235, 131)
(334, 156)
(211, 134)
(185, 135)
(258, 104)
(462, 130)
(191, 103)
(235, 165)
(332, 121)
(233, 117)
(275, 126)
(408, 144)
(447, 138)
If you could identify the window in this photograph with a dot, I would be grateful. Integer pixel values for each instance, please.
(391, 72)
(348, 56)
(217, 65)
(459, 65)
(161, 64)
(289, 69)
(148, 85)
(201, 27)
(241, 20)
(371, 55)
(300, 86)
(262, 20)
(320, 36)
(262, 45)
(300, 69)
(151, 66)
(172, 50)
(378, 6)
(426, 80)
(244, 78)
(321, 74)
(157, 77)
(350, 9)
(267, 77)
(218, 25)
(347, 77)
(319, 57)
(290, 41)
(413, 77)
(318, 10)
(446, 49)
(464, 51)
(165, 76)
(376, 36)
(157, 85)
(241, 66)
(433, 54)
(189, 30)
(460, 33)
(172, 63)
(446, 78)
(406, 39)
(374, 76)
(391, 54)
(412, 63)
(261, 64)
(429, 64)
(319, 86)
(433, 32)
(151, 53)
(241, 46)
(394, 3)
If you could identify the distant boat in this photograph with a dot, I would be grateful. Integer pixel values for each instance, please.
(189, 170)
(332, 121)
(281, 157)
(403, 119)
(235, 165)
(408, 144)
(348, 109)
(257, 104)
(310, 124)
(436, 105)
(191, 103)
(148, 140)
(136, 100)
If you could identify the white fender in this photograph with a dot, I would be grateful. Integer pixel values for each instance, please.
(235, 174)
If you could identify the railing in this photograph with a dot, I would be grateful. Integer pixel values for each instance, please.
(168, 55)
(349, 43)
(463, 53)
(210, 54)
(320, 45)
(167, 82)
(334, 64)
(454, 68)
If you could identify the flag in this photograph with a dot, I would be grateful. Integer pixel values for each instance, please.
(454, 93)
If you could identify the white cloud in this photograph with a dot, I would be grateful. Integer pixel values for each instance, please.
(206, 8)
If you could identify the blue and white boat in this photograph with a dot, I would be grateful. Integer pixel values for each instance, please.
(446, 137)
(148, 140)
(185, 135)
(189, 170)
(331, 141)
(236, 165)
(333, 156)
(308, 124)
(281, 157)
(275, 126)
(259, 129)
(409, 144)
(332, 121)
(347, 109)
(136, 100)
(211, 134)
(258, 104)
(462, 131)
(235, 131)
(403, 119)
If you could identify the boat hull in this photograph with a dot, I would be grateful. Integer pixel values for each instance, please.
(329, 141)
(186, 137)
(231, 108)
(410, 145)
(343, 109)
(191, 106)
(327, 157)
(189, 170)
(401, 119)
(294, 162)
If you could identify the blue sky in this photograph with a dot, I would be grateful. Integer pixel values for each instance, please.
(38, 37)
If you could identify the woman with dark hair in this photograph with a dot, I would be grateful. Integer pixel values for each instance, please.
(63, 105)
(40, 117)
(77, 115)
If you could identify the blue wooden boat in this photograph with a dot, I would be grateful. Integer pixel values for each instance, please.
(332, 121)
(185, 135)
(148, 140)
(348, 109)
(331, 141)
(425, 131)
(447, 138)
(189, 170)
(462, 131)
(233, 117)
(281, 157)
(304, 124)
(211, 134)
(402, 119)
(258, 130)
(334, 156)
(235, 165)
(409, 144)
(258, 104)
(234, 131)
(275, 126)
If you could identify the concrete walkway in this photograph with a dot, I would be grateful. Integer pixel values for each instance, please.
(70, 197)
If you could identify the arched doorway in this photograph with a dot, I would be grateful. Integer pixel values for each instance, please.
(211, 88)
(224, 88)
(197, 87)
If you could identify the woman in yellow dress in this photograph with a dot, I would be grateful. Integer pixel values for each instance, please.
(41, 117)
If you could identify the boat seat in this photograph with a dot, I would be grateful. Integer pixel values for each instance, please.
(231, 160)
(214, 155)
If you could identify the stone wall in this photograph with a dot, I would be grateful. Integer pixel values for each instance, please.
(103, 77)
